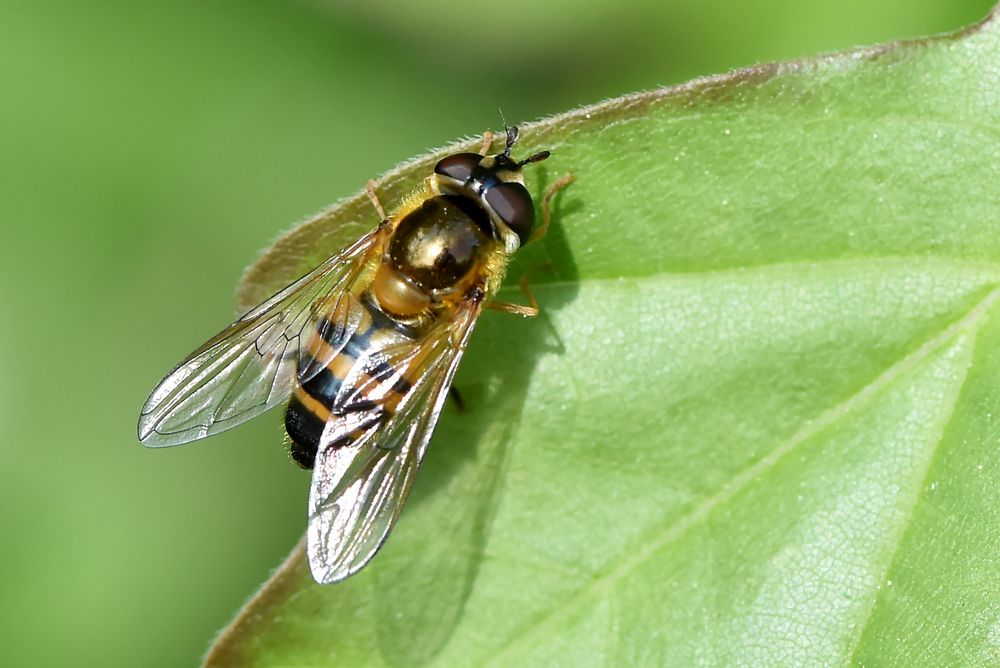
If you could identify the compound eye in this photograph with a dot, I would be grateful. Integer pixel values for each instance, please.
(458, 166)
(512, 204)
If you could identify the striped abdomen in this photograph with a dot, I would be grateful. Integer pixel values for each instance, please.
(352, 378)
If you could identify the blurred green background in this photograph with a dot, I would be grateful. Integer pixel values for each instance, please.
(148, 151)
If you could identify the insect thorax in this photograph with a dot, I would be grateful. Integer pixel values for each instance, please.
(437, 250)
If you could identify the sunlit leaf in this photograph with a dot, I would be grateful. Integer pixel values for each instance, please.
(755, 423)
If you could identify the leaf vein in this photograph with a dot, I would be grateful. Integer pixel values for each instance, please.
(640, 554)
(972, 319)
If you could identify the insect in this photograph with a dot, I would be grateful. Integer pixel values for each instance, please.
(364, 348)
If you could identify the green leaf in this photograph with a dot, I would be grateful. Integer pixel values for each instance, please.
(757, 421)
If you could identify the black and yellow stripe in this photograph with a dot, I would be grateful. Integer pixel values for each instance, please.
(315, 401)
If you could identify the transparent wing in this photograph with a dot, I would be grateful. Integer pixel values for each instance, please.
(251, 365)
(358, 490)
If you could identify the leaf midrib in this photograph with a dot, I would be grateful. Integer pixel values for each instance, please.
(639, 554)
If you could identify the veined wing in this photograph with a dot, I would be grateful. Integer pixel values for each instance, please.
(358, 490)
(252, 365)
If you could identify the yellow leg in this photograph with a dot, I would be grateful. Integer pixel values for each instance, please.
(529, 311)
(370, 189)
(547, 206)
(487, 142)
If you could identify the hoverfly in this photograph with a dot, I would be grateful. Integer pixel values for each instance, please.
(364, 348)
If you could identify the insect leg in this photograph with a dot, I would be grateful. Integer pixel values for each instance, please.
(456, 398)
(370, 189)
(547, 206)
(529, 311)
(487, 142)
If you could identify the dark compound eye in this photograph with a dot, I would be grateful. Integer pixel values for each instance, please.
(458, 166)
(512, 203)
